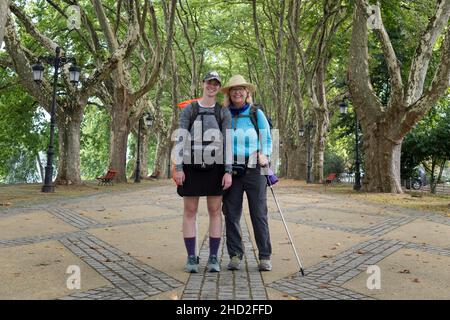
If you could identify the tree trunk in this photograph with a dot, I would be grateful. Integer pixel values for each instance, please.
(433, 181)
(118, 141)
(385, 126)
(162, 156)
(320, 143)
(41, 167)
(4, 11)
(69, 120)
(381, 160)
(297, 164)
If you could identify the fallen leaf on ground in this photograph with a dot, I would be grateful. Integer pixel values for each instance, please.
(323, 286)
(101, 209)
(360, 251)
(43, 264)
(416, 280)
(338, 244)
(5, 204)
(327, 256)
(286, 259)
(405, 271)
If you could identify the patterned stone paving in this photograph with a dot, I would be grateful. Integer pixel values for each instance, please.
(244, 284)
(132, 279)
(73, 218)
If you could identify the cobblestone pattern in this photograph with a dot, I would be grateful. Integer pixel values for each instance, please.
(59, 236)
(244, 284)
(429, 248)
(7, 212)
(350, 263)
(73, 218)
(102, 293)
(322, 281)
(136, 279)
(377, 229)
(76, 220)
(134, 221)
(328, 226)
(438, 219)
(310, 289)
(384, 226)
(37, 239)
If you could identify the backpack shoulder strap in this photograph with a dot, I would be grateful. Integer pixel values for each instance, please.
(194, 113)
(254, 117)
(218, 114)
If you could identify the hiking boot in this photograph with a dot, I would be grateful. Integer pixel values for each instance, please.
(213, 264)
(191, 264)
(235, 263)
(265, 265)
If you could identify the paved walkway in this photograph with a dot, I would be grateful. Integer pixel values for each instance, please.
(128, 245)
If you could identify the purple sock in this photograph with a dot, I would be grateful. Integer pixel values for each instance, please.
(213, 246)
(190, 246)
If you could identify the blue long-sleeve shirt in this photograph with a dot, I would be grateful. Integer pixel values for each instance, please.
(243, 134)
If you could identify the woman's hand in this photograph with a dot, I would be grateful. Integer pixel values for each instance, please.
(263, 160)
(226, 181)
(179, 178)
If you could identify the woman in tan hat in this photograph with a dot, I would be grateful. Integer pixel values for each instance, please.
(252, 145)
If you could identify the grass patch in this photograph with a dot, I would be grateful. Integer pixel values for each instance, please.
(411, 199)
(22, 195)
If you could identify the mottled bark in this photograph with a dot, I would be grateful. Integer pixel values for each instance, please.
(4, 11)
(384, 128)
(162, 156)
(119, 130)
(296, 162)
(68, 120)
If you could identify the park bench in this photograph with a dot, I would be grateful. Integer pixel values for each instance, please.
(107, 178)
(330, 178)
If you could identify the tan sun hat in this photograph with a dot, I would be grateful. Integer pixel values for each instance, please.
(238, 81)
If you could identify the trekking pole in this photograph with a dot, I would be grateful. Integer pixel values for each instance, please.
(197, 249)
(285, 226)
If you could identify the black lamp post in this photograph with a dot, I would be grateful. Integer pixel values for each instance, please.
(343, 109)
(38, 71)
(301, 132)
(148, 122)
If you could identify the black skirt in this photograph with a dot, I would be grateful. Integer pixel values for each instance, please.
(202, 183)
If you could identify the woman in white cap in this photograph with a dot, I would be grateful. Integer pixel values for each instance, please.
(252, 146)
(196, 176)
